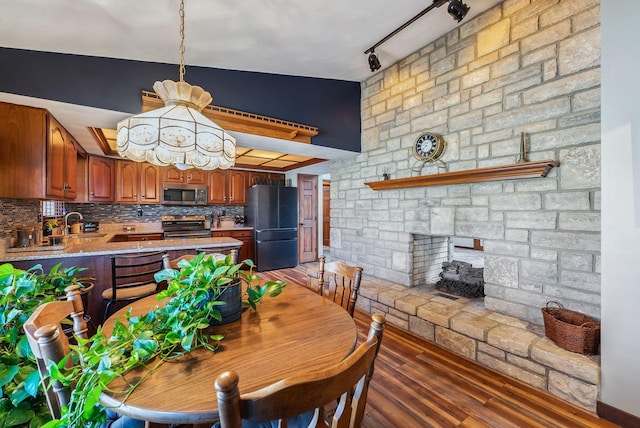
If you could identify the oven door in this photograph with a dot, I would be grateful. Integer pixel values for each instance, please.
(187, 234)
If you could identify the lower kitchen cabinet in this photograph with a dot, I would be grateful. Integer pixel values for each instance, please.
(133, 237)
(246, 236)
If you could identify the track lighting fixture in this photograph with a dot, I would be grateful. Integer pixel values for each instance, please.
(374, 62)
(457, 9)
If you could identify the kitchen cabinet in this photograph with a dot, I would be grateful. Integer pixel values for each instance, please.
(134, 237)
(264, 177)
(189, 176)
(137, 182)
(38, 157)
(228, 187)
(62, 159)
(101, 177)
(246, 236)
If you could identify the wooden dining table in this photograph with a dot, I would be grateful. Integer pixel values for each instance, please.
(294, 333)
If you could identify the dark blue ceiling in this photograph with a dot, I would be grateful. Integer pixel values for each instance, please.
(113, 84)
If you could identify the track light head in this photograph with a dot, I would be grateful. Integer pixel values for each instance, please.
(457, 10)
(374, 62)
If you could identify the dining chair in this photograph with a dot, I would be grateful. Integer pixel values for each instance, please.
(299, 401)
(215, 252)
(48, 344)
(218, 253)
(339, 282)
(132, 277)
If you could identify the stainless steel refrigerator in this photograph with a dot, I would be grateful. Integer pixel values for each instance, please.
(272, 211)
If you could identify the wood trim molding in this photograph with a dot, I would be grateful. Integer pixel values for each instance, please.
(504, 172)
(617, 416)
(101, 139)
(240, 121)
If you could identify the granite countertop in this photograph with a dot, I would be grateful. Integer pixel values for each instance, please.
(230, 228)
(92, 244)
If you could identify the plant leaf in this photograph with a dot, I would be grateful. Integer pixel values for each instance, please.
(17, 416)
(7, 373)
(32, 383)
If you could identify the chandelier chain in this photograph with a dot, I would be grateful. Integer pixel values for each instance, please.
(182, 69)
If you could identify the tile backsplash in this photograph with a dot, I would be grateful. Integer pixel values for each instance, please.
(16, 213)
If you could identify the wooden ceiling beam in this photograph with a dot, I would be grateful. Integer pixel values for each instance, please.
(248, 123)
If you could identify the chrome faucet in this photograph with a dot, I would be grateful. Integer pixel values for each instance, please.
(66, 220)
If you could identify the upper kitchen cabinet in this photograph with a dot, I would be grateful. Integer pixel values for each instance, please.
(137, 182)
(38, 158)
(228, 187)
(62, 160)
(264, 177)
(101, 173)
(189, 176)
(258, 177)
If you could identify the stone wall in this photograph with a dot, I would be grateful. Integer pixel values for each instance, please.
(523, 66)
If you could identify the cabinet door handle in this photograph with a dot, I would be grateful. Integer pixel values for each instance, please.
(142, 196)
(91, 193)
(135, 195)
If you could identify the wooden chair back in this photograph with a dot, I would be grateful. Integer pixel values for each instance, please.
(48, 343)
(347, 382)
(219, 254)
(339, 282)
(132, 277)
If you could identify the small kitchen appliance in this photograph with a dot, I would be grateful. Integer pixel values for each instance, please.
(89, 226)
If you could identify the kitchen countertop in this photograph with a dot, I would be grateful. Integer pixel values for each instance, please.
(231, 228)
(92, 244)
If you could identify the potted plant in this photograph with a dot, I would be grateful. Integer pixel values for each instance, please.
(58, 279)
(22, 402)
(194, 297)
(216, 286)
(55, 232)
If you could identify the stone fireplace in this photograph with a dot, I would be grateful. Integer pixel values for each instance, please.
(428, 254)
(519, 67)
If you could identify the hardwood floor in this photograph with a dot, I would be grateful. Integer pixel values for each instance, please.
(419, 384)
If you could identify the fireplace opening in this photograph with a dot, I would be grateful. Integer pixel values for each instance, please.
(449, 258)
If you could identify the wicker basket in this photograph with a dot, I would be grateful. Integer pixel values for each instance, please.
(571, 330)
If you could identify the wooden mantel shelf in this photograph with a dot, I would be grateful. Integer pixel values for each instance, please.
(493, 173)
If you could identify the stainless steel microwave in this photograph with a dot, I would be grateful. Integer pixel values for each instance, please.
(184, 194)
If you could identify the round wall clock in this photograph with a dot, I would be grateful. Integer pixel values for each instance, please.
(429, 146)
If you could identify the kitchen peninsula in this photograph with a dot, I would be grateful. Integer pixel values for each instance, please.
(93, 251)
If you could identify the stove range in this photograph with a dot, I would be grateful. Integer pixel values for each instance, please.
(180, 226)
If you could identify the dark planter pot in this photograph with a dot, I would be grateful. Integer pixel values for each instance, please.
(232, 309)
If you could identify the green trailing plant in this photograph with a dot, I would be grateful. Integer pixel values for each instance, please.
(52, 224)
(192, 299)
(58, 278)
(22, 402)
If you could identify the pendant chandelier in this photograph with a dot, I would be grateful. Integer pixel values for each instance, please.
(177, 134)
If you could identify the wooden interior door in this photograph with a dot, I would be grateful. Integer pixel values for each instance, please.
(326, 213)
(308, 218)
